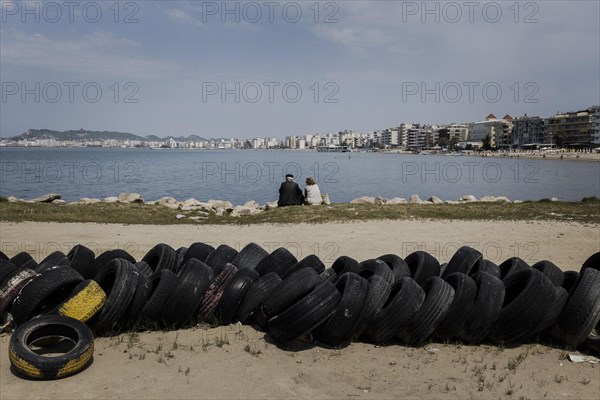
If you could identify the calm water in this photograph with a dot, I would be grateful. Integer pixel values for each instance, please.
(242, 175)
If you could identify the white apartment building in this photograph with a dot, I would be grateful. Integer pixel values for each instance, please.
(498, 130)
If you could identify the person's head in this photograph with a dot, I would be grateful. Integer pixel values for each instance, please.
(289, 178)
(310, 181)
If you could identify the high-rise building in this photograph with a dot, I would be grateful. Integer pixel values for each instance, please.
(577, 129)
(529, 131)
(499, 131)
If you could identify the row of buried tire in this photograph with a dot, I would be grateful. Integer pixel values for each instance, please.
(389, 298)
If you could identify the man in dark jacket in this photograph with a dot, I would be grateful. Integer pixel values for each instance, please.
(290, 193)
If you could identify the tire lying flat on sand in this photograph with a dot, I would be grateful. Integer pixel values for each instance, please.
(36, 366)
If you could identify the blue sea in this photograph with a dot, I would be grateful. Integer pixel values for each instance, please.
(242, 175)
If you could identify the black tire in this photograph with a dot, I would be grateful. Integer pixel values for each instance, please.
(340, 327)
(11, 285)
(3, 256)
(6, 268)
(143, 289)
(405, 298)
(463, 261)
(398, 266)
(213, 294)
(194, 279)
(161, 256)
(528, 296)
(570, 279)
(377, 295)
(293, 288)
(328, 275)
(438, 299)
(234, 294)
(593, 261)
(143, 268)
(486, 308)
(344, 264)
(310, 261)
(54, 259)
(486, 266)
(258, 292)
(103, 259)
(305, 315)
(23, 260)
(582, 311)
(369, 268)
(82, 261)
(119, 280)
(44, 367)
(561, 296)
(279, 261)
(249, 256)
(179, 254)
(465, 293)
(551, 271)
(164, 282)
(220, 256)
(511, 266)
(200, 251)
(422, 266)
(43, 292)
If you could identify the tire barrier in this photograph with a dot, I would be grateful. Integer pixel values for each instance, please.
(407, 300)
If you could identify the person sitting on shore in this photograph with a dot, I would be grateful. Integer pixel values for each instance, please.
(312, 194)
(290, 193)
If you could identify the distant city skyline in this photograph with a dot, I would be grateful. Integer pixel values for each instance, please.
(255, 72)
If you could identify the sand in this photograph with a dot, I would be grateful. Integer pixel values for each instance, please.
(240, 362)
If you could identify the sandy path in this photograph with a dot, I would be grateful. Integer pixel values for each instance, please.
(154, 365)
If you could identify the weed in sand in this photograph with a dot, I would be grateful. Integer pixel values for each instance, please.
(252, 351)
(515, 362)
(221, 341)
(584, 381)
(559, 378)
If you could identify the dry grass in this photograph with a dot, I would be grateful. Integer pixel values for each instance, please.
(587, 211)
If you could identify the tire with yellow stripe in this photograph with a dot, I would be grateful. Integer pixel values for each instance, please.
(87, 300)
(44, 367)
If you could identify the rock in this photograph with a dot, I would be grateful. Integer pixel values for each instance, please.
(220, 204)
(380, 200)
(415, 199)
(47, 198)
(203, 213)
(396, 200)
(130, 198)
(325, 198)
(111, 199)
(179, 216)
(363, 200)
(452, 202)
(243, 210)
(271, 205)
(502, 199)
(87, 200)
(517, 201)
(251, 204)
(59, 201)
(186, 208)
(554, 199)
(198, 218)
(468, 198)
(488, 199)
(169, 202)
(219, 212)
(190, 203)
(12, 199)
(435, 200)
(427, 203)
(150, 203)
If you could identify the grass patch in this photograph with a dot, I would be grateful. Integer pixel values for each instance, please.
(140, 214)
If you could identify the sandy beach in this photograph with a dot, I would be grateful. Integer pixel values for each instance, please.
(240, 362)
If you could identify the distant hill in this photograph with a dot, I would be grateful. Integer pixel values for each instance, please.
(82, 134)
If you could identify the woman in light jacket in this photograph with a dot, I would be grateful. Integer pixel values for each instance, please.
(312, 194)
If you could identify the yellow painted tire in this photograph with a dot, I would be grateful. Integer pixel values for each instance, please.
(87, 300)
(44, 367)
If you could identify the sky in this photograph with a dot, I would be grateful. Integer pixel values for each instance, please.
(277, 68)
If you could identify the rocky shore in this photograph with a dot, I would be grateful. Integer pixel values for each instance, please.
(222, 207)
